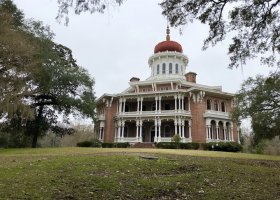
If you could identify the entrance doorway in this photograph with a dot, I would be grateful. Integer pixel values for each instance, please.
(152, 134)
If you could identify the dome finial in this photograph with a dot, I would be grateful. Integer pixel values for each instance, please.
(167, 33)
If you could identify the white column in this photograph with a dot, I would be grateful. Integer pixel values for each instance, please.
(122, 133)
(138, 104)
(141, 105)
(217, 133)
(231, 131)
(137, 129)
(190, 129)
(183, 103)
(120, 106)
(225, 132)
(180, 127)
(179, 101)
(119, 129)
(183, 129)
(175, 125)
(100, 132)
(159, 129)
(156, 126)
(141, 124)
(175, 97)
(124, 105)
(159, 104)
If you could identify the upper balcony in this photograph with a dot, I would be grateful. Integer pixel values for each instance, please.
(217, 114)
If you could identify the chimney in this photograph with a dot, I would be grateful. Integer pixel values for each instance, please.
(134, 79)
(191, 77)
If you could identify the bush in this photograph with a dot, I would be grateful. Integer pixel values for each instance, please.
(189, 145)
(166, 145)
(223, 146)
(121, 145)
(270, 147)
(91, 143)
(107, 145)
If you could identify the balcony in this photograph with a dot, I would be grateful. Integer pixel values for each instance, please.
(217, 114)
(155, 113)
(101, 117)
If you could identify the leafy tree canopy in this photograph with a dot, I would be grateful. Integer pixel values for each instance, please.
(259, 99)
(80, 6)
(255, 25)
(41, 79)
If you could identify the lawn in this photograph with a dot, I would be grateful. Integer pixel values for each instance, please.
(88, 173)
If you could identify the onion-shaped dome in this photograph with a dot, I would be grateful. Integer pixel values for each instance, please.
(168, 45)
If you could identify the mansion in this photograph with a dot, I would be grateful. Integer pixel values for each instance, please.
(168, 102)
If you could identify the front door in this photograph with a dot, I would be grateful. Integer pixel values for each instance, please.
(152, 135)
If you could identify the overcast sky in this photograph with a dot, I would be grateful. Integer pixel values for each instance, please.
(115, 46)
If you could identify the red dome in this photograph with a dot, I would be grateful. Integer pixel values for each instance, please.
(168, 46)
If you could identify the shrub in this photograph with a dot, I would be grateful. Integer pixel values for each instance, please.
(223, 146)
(166, 145)
(271, 147)
(176, 138)
(121, 145)
(107, 145)
(3, 142)
(89, 143)
(189, 145)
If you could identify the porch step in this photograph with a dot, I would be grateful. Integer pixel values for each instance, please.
(143, 145)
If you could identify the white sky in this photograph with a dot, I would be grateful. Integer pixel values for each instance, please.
(115, 46)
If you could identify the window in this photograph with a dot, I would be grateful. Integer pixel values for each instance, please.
(170, 68)
(163, 68)
(176, 69)
(216, 105)
(208, 104)
(157, 69)
(223, 106)
(144, 90)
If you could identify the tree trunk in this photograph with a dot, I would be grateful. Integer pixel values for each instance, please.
(37, 128)
(34, 139)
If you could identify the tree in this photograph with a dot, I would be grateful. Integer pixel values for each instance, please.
(42, 78)
(259, 99)
(80, 6)
(255, 25)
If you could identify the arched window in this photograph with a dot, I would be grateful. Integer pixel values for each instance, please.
(167, 131)
(163, 68)
(208, 104)
(176, 69)
(167, 106)
(170, 68)
(126, 108)
(187, 104)
(216, 105)
(223, 106)
(157, 69)
(153, 106)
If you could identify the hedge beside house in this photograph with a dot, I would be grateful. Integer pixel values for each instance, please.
(222, 146)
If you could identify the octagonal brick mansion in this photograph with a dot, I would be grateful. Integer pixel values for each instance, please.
(168, 102)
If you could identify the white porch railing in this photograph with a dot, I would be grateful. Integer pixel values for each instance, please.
(153, 113)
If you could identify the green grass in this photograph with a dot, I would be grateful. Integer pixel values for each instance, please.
(88, 173)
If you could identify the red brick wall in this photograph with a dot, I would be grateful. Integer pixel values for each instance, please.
(109, 131)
